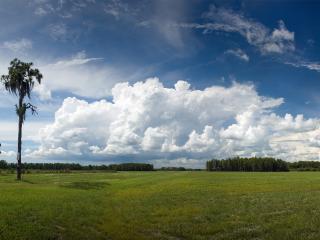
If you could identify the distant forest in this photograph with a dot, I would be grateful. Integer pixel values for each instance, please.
(248, 165)
(305, 166)
(260, 164)
(254, 164)
(77, 166)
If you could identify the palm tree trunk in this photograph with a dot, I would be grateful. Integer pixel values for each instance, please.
(19, 142)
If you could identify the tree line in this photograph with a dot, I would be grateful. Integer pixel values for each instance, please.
(305, 166)
(76, 166)
(231, 164)
(131, 167)
(254, 164)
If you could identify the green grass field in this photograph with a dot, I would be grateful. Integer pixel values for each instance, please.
(161, 205)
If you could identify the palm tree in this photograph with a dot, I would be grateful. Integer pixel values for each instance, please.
(20, 82)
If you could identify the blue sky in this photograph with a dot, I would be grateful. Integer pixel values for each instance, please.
(85, 48)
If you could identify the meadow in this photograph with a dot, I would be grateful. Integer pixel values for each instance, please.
(160, 205)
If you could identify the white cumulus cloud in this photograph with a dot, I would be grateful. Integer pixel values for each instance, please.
(147, 121)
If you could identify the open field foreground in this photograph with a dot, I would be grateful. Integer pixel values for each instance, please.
(161, 205)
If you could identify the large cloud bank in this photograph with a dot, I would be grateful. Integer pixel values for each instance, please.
(147, 121)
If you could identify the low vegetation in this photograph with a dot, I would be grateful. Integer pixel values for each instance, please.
(155, 205)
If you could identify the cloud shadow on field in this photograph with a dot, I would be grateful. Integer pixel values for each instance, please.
(86, 185)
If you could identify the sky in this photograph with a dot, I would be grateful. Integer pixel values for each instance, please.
(172, 83)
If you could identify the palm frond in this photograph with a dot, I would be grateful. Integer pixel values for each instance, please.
(20, 81)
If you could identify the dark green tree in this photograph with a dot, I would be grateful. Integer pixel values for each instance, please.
(3, 164)
(254, 164)
(20, 82)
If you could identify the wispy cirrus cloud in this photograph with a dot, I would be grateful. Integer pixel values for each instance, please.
(86, 76)
(277, 41)
(315, 66)
(239, 53)
(18, 46)
(62, 8)
(58, 31)
(268, 41)
(79, 58)
(44, 9)
(117, 8)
